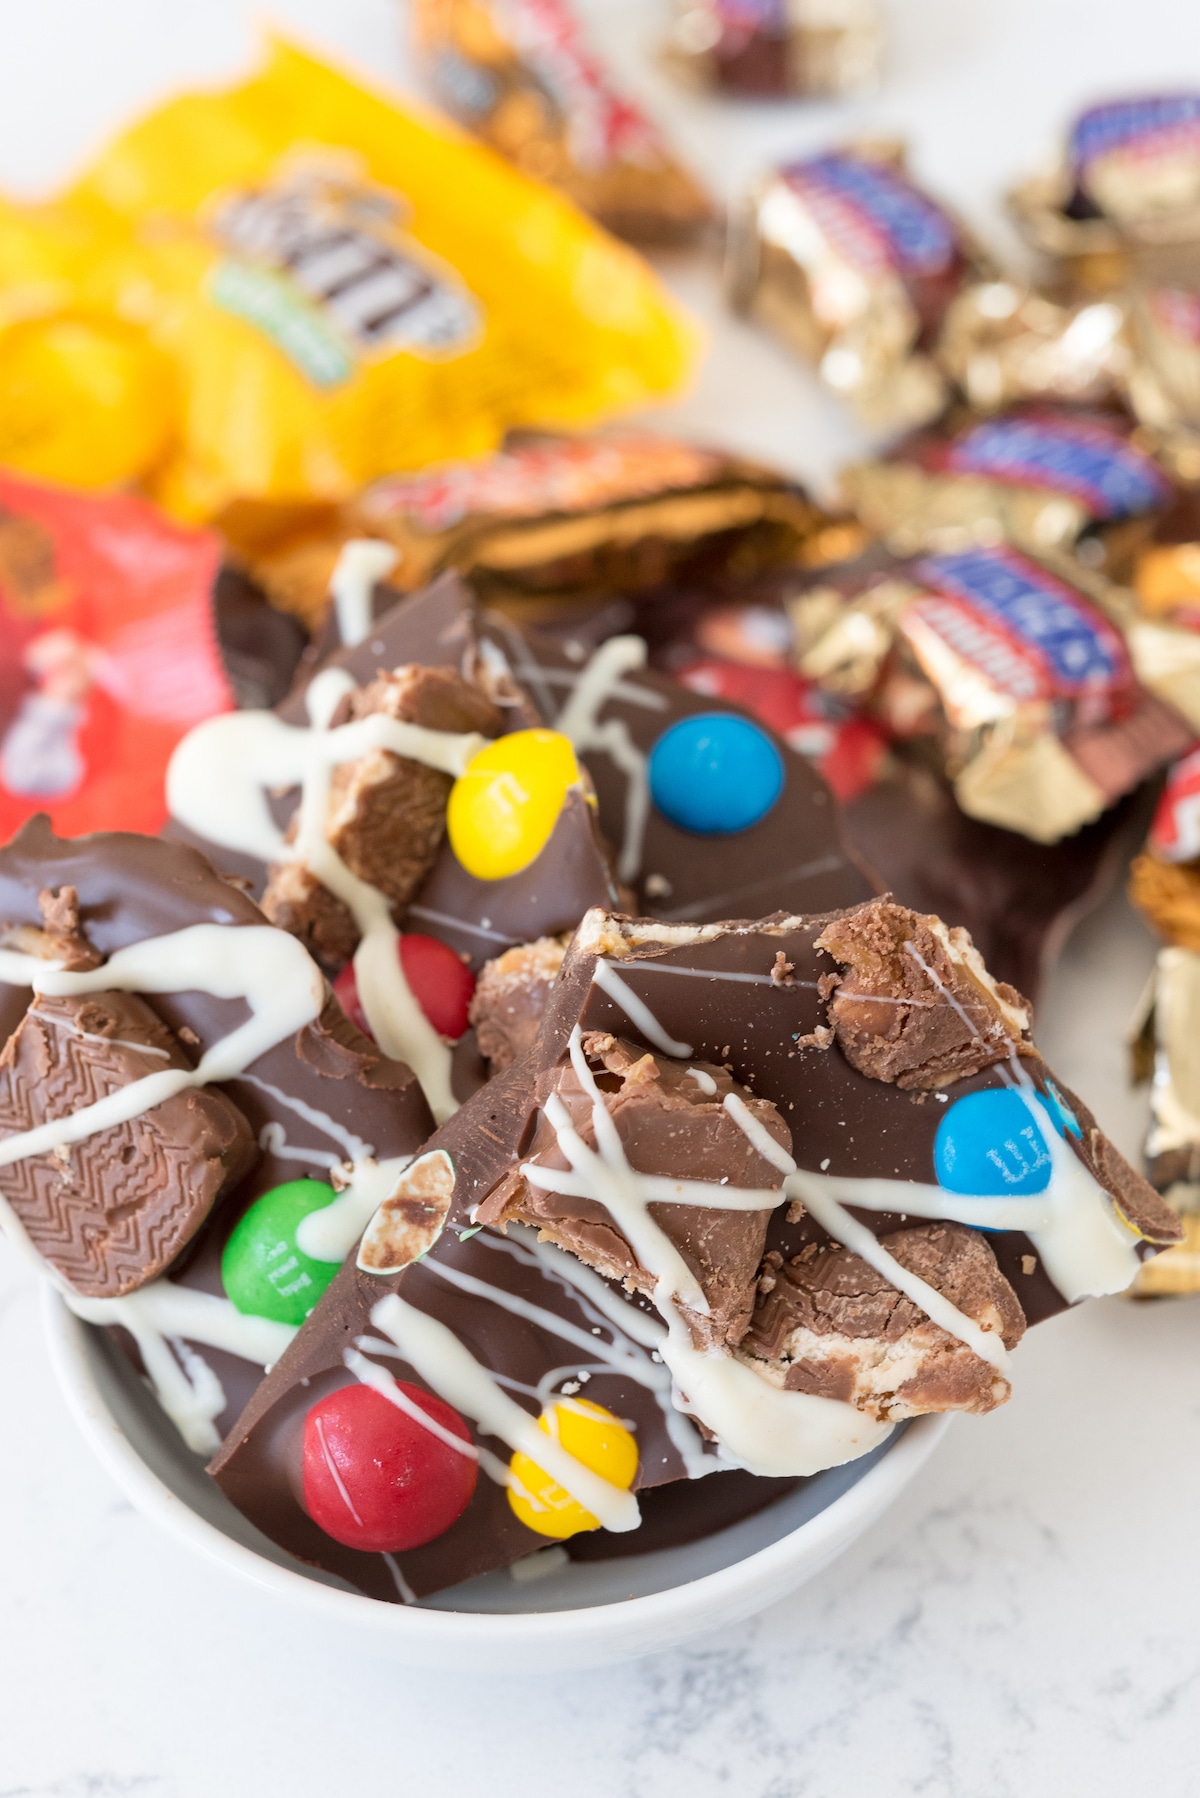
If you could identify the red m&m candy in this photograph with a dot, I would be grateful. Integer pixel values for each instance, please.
(441, 985)
(375, 1478)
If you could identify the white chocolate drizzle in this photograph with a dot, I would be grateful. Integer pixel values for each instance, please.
(765, 1429)
(217, 783)
(637, 1011)
(330, 1233)
(437, 1356)
(579, 720)
(361, 563)
(158, 1317)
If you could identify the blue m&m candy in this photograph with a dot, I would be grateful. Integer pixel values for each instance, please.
(993, 1145)
(715, 773)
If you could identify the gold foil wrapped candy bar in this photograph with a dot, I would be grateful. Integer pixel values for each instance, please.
(1005, 672)
(1004, 343)
(847, 260)
(1130, 177)
(772, 48)
(1038, 477)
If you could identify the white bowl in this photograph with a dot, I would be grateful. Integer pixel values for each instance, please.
(578, 1615)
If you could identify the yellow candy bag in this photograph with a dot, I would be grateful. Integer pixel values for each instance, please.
(345, 289)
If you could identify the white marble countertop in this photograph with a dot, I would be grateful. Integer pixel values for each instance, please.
(1026, 1622)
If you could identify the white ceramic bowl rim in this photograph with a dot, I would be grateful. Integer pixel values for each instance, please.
(666, 1615)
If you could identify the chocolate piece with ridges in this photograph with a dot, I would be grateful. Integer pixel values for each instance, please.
(111, 1212)
(916, 1004)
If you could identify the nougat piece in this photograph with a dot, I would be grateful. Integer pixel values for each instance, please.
(510, 998)
(828, 1323)
(672, 1121)
(111, 1212)
(387, 813)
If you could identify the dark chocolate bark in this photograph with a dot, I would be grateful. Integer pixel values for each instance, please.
(307, 1095)
(259, 1465)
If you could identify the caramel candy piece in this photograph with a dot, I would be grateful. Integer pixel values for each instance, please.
(827, 1323)
(387, 813)
(111, 1212)
(671, 1121)
(510, 997)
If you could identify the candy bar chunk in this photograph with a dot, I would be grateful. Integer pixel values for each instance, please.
(673, 1123)
(828, 1323)
(111, 1212)
(853, 221)
(879, 1006)
(387, 813)
(510, 997)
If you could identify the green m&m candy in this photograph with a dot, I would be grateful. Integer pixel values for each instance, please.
(262, 1270)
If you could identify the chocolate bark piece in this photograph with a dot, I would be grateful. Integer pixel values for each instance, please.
(439, 629)
(505, 1275)
(916, 1004)
(260, 645)
(510, 997)
(111, 1212)
(303, 1100)
(828, 1323)
(672, 1120)
(712, 988)
(795, 857)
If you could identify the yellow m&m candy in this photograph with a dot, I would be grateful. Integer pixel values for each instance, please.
(504, 807)
(594, 1437)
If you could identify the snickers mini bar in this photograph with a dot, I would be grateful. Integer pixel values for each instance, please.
(853, 265)
(1035, 476)
(1008, 673)
(1129, 178)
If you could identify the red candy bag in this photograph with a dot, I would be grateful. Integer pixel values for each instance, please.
(108, 655)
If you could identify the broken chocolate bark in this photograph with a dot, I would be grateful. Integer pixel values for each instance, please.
(135, 1212)
(388, 812)
(519, 1309)
(850, 1097)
